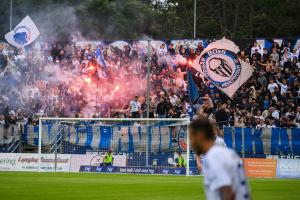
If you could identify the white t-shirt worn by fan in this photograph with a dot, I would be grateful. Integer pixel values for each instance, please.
(223, 167)
(135, 106)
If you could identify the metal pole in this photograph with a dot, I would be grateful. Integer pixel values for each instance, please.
(40, 143)
(10, 18)
(195, 16)
(187, 150)
(55, 155)
(148, 99)
(148, 75)
(243, 144)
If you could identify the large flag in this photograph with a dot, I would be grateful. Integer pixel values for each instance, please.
(219, 63)
(193, 91)
(23, 34)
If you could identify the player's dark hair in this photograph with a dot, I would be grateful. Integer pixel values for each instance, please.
(203, 126)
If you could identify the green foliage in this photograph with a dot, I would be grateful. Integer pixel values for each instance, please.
(134, 19)
(115, 19)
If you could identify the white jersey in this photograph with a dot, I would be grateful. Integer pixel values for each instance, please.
(135, 106)
(220, 142)
(223, 167)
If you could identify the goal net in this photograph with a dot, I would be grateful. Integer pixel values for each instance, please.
(140, 146)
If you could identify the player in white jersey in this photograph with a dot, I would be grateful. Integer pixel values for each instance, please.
(219, 141)
(224, 174)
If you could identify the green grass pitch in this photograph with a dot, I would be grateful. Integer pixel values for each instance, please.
(73, 186)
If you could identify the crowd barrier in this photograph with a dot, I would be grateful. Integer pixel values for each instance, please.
(261, 143)
(118, 138)
(251, 142)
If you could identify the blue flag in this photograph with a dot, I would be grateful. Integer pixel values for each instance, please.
(193, 90)
(100, 59)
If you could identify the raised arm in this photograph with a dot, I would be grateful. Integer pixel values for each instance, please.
(278, 82)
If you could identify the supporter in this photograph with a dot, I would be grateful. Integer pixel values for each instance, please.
(283, 86)
(265, 55)
(274, 55)
(171, 49)
(60, 79)
(135, 107)
(222, 116)
(274, 113)
(298, 115)
(271, 122)
(173, 98)
(261, 124)
(254, 49)
(161, 108)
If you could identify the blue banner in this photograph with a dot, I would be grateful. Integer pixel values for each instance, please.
(257, 143)
(134, 170)
(263, 142)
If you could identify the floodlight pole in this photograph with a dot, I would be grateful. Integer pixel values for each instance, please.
(195, 16)
(10, 17)
(148, 98)
(148, 75)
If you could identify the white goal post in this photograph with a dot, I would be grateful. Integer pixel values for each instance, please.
(138, 145)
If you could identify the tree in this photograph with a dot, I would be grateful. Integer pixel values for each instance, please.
(118, 19)
(161, 19)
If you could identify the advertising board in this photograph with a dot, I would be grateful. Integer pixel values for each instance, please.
(288, 168)
(260, 168)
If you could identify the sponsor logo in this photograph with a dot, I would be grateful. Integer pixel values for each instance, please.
(288, 168)
(53, 160)
(87, 169)
(110, 169)
(7, 161)
(98, 169)
(221, 66)
(289, 156)
(260, 168)
(132, 170)
(28, 160)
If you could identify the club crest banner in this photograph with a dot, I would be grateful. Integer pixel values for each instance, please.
(220, 64)
(23, 34)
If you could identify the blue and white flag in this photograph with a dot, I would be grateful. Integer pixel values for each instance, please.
(23, 34)
(219, 63)
(264, 43)
(100, 59)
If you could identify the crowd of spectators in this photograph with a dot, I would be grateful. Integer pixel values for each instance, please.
(67, 80)
(270, 98)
